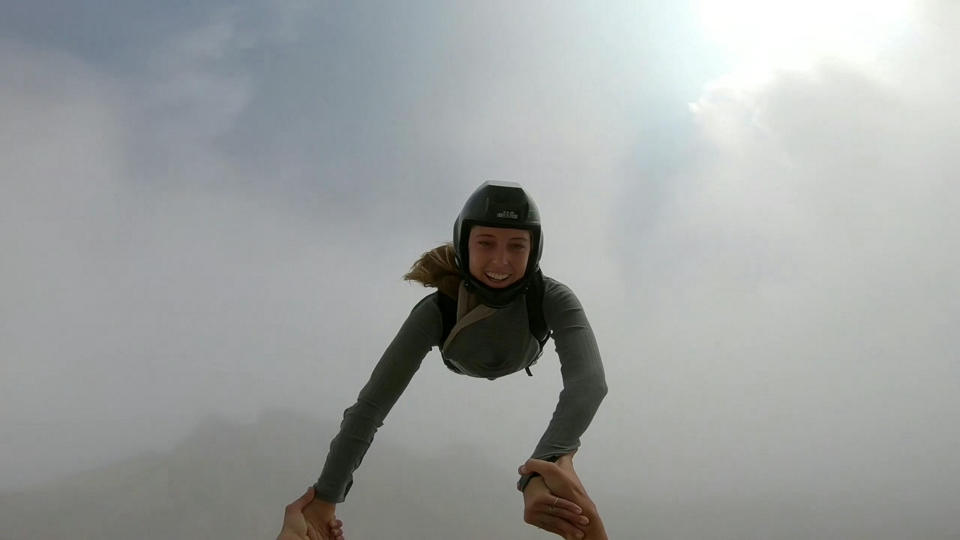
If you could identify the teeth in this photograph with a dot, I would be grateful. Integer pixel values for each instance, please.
(497, 277)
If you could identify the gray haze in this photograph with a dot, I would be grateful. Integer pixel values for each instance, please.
(205, 211)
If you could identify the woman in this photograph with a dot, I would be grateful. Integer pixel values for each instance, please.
(483, 319)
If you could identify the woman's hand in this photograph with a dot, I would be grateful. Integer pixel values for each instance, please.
(550, 512)
(561, 480)
(296, 527)
(322, 516)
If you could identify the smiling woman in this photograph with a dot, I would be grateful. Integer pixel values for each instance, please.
(490, 317)
(498, 257)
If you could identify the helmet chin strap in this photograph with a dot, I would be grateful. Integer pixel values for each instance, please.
(497, 298)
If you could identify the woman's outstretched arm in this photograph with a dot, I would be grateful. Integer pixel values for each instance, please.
(419, 333)
(584, 387)
(584, 383)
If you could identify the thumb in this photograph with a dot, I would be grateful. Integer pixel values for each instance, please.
(543, 468)
(302, 501)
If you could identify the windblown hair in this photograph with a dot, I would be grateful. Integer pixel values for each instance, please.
(437, 268)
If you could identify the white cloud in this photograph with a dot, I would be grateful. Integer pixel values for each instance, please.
(784, 331)
(139, 292)
(796, 328)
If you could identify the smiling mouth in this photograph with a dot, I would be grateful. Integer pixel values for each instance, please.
(496, 277)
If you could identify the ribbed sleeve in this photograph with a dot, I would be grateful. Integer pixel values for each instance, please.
(401, 360)
(584, 384)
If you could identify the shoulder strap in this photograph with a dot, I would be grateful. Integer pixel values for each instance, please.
(537, 322)
(448, 315)
(448, 311)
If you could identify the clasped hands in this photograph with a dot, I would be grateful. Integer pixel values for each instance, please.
(307, 519)
(556, 501)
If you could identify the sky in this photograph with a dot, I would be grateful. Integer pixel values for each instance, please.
(207, 209)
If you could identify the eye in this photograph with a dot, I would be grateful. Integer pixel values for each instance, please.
(518, 247)
(483, 243)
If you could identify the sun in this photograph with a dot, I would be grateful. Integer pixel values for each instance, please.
(763, 35)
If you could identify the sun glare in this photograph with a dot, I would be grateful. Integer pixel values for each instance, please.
(764, 35)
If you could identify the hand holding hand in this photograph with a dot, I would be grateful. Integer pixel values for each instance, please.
(560, 477)
(296, 525)
(562, 481)
(550, 512)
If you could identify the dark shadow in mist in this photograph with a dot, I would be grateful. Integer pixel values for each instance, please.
(231, 481)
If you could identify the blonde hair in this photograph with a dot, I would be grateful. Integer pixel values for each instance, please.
(437, 268)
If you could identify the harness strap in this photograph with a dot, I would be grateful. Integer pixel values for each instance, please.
(535, 318)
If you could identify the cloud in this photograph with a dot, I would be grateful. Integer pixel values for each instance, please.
(130, 267)
(200, 222)
(793, 292)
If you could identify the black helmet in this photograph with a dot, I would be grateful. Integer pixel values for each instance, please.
(505, 205)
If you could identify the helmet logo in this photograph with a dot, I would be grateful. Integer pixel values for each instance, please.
(508, 214)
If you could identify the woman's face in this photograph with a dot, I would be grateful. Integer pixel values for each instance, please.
(498, 257)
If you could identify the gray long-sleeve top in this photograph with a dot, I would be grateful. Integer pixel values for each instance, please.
(496, 343)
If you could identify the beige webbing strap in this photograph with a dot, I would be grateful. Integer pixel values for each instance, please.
(467, 314)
